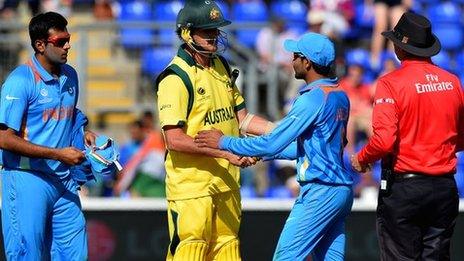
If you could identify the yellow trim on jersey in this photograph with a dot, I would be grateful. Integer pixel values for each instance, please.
(213, 104)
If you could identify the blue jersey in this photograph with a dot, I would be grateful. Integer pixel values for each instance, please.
(40, 108)
(313, 133)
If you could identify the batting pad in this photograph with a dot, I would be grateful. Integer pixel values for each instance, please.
(229, 252)
(191, 251)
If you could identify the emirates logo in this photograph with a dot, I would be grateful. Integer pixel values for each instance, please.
(214, 14)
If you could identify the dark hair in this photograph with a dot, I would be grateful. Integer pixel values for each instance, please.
(41, 23)
(148, 113)
(137, 123)
(322, 70)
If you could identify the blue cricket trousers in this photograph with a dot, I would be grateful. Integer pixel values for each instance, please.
(316, 224)
(42, 217)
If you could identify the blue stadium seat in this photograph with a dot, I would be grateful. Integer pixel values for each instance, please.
(154, 60)
(428, 2)
(224, 8)
(442, 59)
(255, 11)
(364, 16)
(417, 7)
(450, 35)
(460, 62)
(166, 11)
(358, 57)
(445, 12)
(293, 12)
(135, 11)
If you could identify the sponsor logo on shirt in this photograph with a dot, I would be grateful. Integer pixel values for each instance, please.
(45, 100)
(433, 84)
(61, 113)
(342, 115)
(10, 98)
(384, 100)
(219, 115)
(165, 106)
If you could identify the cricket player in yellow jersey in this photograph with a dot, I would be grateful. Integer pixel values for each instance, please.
(197, 92)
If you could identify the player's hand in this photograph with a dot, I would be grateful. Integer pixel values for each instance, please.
(209, 138)
(89, 138)
(251, 160)
(70, 156)
(238, 161)
(358, 166)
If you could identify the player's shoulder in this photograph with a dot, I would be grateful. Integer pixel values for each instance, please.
(20, 74)
(69, 71)
(312, 97)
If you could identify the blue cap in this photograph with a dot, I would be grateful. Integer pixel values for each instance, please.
(315, 47)
(103, 157)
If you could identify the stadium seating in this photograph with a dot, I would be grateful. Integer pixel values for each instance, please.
(442, 59)
(450, 36)
(364, 17)
(363, 23)
(166, 11)
(445, 12)
(135, 11)
(154, 60)
(255, 11)
(460, 62)
(358, 57)
(447, 24)
(293, 12)
(224, 8)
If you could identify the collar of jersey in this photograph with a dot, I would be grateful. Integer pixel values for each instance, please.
(185, 56)
(42, 72)
(408, 62)
(320, 82)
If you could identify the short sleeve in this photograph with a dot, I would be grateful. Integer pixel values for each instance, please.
(172, 101)
(15, 98)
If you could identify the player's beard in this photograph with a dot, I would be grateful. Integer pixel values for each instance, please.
(56, 58)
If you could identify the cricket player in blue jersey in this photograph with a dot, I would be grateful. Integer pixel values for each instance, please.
(313, 133)
(41, 211)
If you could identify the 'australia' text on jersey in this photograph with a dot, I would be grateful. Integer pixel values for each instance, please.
(219, 115)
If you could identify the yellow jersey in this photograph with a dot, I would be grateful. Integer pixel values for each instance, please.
(198, 98)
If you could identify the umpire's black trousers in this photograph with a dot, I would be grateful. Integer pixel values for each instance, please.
(416, 218)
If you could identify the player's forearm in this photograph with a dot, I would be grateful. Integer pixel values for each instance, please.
(253, 124)
(185, 144)
(260, 126)
(11, 142)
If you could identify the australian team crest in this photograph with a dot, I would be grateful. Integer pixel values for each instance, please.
(214, 14)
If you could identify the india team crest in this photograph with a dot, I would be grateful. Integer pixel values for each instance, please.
(214, 14)
(44, 92)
